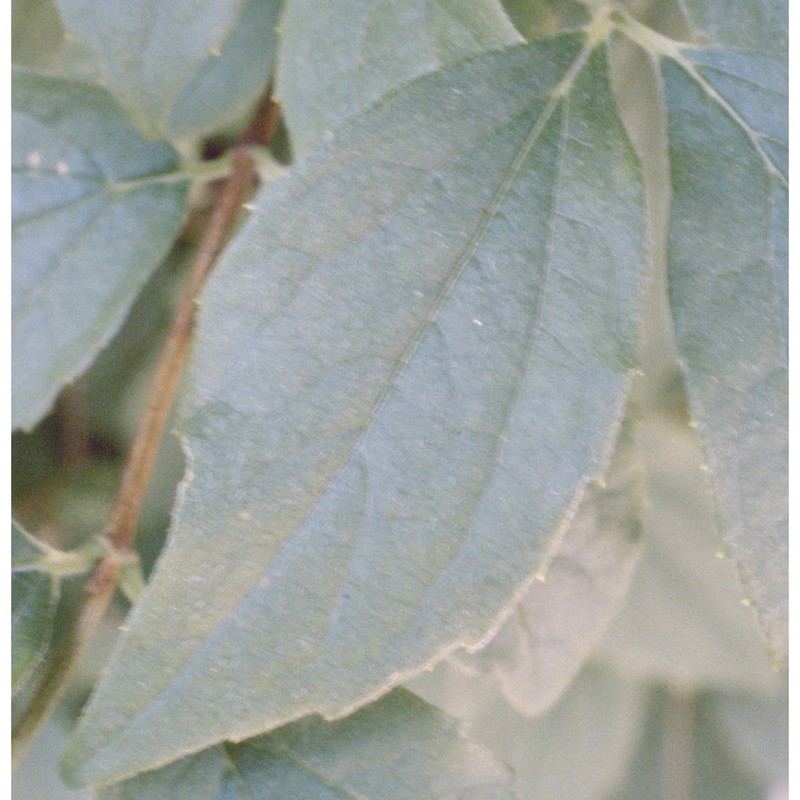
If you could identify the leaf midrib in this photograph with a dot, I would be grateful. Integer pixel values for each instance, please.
(555, 97)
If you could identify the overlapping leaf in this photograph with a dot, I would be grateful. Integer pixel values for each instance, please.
(580, 748)
(33, 606)
(682, 622)
(727, 113)
(559, 621)
(398, 749)
(337, 58)
(88, 228)
(409, 360)
(180, 68)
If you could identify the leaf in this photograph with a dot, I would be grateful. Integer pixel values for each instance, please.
(746, 25)
(579, 748)
(89, 226)
(34, 596)
(182, 67)
(398, 749)
(559, 621)
(728, 281)
(337, 58)
(226, 85)
(683, 622)
(409, 361)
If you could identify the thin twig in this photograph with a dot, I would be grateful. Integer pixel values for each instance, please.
(120, 529)
(61, 669)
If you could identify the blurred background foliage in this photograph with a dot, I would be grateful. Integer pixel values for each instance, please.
(678, 699)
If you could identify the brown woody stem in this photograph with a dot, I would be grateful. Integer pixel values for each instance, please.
(121, 527)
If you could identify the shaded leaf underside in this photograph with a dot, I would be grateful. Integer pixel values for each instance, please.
(409, 361)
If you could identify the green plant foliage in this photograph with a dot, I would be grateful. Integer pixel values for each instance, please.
(337, 58)
(755, 727)
(88, 227)
(397, 749)
(728, 280)
(579, 748)
(226, 84)
(386, 431)
(561, 617)
(181, 67)
(36, 32)
(34, 596)
(484, 423)
(683, 621)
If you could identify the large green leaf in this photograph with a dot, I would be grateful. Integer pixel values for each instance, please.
(408, 362)
(398, 749)
(336, 58)
(180, 68)
(727, 111)
(88, 229)
(745, 25)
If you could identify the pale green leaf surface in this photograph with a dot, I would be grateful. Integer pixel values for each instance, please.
(33, 607)
(408, 362)
(83, 240)
(397, 749)
(683, 622)
(543, 645)
(337, 58)
(756, 25)
(728, 276)
(178, 68)
(578, 749)
(226, 85)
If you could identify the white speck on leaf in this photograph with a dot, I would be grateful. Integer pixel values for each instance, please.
(34, 159)
(62, 168)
